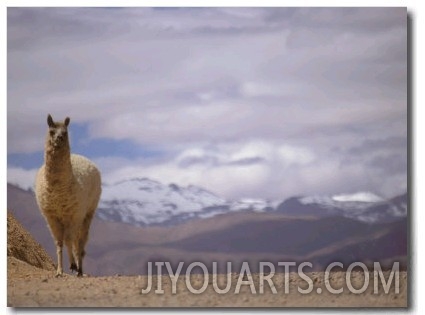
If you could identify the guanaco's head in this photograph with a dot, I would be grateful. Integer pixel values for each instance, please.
(58, 132)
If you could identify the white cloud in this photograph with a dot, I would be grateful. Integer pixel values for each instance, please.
(291, 155)
(22, 178)
(131, 84)
(234, 170)
(253, 169)
(228, 181)
(255, 89)
(243, 100)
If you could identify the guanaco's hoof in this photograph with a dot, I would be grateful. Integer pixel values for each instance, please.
(73, 267)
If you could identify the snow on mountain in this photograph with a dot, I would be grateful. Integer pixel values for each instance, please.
(358, 197)
(257, 205)
(142, 201)
(346, 202)
(366, 207)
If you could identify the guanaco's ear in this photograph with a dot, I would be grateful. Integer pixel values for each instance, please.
(50, 121)
(67, 120)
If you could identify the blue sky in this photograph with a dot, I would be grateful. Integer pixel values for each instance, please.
(246, 102)
(93, 149)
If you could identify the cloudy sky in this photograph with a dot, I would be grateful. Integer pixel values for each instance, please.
(245, 102)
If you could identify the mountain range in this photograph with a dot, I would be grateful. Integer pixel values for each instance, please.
(315, 229)
(143, 202)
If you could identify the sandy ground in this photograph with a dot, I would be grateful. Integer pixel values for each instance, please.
(31, 282)
(29, 286)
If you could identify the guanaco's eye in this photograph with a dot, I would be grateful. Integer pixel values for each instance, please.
(52, 132)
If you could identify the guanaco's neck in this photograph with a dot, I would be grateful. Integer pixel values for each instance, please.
(57, 162)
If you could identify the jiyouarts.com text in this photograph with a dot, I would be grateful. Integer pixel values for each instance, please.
(267, 272)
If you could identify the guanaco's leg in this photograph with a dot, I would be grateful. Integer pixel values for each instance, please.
(72, 264)
(59, 245)
(56, 228)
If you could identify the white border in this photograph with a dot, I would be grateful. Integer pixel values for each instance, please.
(416, 11)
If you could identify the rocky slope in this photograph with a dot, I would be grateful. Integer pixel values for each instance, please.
(22, 246)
